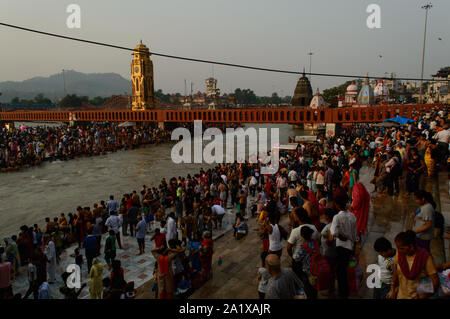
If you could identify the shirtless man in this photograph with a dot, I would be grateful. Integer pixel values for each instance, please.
(309, 207)
(292, 192)
(242, 202)
(421, 146)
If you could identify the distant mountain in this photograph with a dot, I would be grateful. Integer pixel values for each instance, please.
(91, 85)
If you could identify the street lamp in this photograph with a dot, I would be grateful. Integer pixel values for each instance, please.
(426, 7)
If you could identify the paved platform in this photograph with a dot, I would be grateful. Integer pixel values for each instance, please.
(236, 278)
(137, 268)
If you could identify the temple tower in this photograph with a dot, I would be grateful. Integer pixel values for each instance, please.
(142, 79)
(303, 92)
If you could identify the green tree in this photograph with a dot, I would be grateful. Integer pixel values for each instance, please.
(41, 99)
(98, 100)
(245, 96)
(73, 100)
(275, 99)
(331, 95)
(287, 99)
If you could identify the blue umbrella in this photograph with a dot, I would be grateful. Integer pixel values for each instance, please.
(400, 120)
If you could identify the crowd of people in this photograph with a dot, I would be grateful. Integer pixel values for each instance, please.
(317, 186)
(29, 146)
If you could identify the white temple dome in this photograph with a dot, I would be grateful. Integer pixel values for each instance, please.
(317, 101)
(352, 88)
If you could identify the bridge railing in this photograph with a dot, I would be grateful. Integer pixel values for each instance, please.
(269, 115)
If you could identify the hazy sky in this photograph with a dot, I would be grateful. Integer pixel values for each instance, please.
(266, 33)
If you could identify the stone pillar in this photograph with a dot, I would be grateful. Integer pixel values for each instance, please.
(161, 125)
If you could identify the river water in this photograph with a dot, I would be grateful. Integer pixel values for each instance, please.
(30, 195)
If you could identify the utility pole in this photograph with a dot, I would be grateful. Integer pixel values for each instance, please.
(310, 59)
(185, 91)
(426, 7)
(64, 80)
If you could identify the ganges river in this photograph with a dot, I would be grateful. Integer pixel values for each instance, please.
(32, 194)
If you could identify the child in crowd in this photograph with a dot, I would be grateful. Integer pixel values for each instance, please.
(386, 262)
(159, 238)
(155, 279)
(183, 233)
(106, 287)
(110, 248)
(163, 229)
(183, 288)
(149, 218)
(59, 243)
(37, 236)
(78, 258)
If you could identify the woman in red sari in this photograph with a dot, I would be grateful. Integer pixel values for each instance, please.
(164, 273)
(206, 253)
(346, 179)
(315, 216)
(360, 207)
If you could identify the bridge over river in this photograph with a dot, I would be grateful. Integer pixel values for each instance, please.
(358, 114)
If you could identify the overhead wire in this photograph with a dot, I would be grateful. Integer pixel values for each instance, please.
(203, 60)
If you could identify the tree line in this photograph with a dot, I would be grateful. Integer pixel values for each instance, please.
(68, 100)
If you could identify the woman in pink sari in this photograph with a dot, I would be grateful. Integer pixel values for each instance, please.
(360, 207)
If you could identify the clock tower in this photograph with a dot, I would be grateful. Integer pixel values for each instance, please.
(142, 79)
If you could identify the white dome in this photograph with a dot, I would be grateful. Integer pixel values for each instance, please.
(352, 88)
(317, 101)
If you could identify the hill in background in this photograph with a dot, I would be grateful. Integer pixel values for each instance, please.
(91, 85)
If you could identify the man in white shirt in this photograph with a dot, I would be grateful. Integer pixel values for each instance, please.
(172, 232)
(224, 178)
(219, 212)
(113, 223)
(343, 229)
(295, 242)
(293, 176)
(443, 138)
